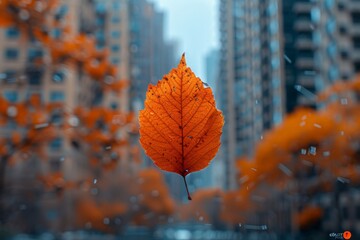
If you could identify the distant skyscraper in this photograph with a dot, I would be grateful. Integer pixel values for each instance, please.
(320, 41)
(151, 56)
(212, 61)
(251, 83)
(276, 55)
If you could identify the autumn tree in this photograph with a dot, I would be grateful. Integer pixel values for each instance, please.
(100, 179)
(98, 135)
(308, 155)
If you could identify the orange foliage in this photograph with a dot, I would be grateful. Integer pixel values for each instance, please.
(234, 208)
(180, 127)
(98, 216)
(308, 217)
(204, 205)
(155, 193)
(30, 13)
(101, 130)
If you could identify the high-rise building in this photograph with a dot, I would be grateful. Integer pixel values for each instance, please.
(250, 88)
(151, 56)
(336, 39)
(276, 56)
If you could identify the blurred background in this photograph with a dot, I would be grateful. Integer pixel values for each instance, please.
(74, 74)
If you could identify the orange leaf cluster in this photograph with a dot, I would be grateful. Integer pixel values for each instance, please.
(155, 203)
(98, 216)
(32, 13)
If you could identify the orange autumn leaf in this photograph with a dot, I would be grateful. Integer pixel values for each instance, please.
(180, 127)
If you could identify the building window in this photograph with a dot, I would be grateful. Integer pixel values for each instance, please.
(114, 105)
(345, 212)
(115, 60)
(56, 33)
(56, 144)
(34, 54)
(356, 42)
(115, 19)
(358, 212)
(11, 53)
(59, 76)
(115, 34)
(115, 48)
(117, 5)
(11, 96)
(61, 12)
(10, 76)
(34, 77)
(57, 96)
(355, 17)
(12, 33)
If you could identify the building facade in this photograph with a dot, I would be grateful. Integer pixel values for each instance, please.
(250, 87)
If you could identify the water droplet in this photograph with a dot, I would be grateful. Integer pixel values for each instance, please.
(312, 150)
(88, 225)
(106, 221)
(95, 181)
(24, 15)
(73, 121)
(94, 191)
(155, 193)
(344, 101)
(12, 111)
(287, 58)
(41, 125)
(343, 180)
(285, 169)
(303, 151)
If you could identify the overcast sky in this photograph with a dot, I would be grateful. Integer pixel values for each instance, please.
(194, 23)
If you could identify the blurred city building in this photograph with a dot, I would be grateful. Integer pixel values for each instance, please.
(151, 56)
(275, 56)
(133, 34)
(251, 84)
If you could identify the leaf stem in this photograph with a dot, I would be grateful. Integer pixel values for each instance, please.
(187, 190)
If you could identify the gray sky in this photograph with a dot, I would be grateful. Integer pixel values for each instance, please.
(194, 23)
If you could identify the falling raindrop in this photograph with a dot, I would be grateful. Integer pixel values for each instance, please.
(155, 193)
(94, 191)
(24, 15)
(12, 111)
(285, 169)
(312, 150)
(287, 58)
(326, 153)
(41, 125)
(344, 101)
(73, 121)
(106, 221)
